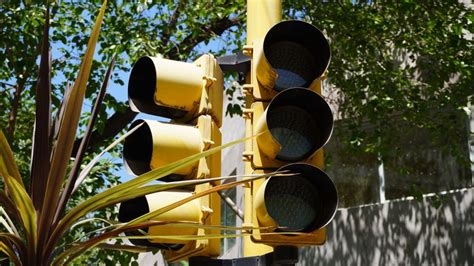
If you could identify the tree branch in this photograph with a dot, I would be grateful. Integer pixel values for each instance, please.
(172, 22)
(216, 28)
(15, 106)
(116, 123)
(232, 205)
(8, 84)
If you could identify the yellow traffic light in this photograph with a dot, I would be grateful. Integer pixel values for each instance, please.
(304, 202)
(156, 144)
(177, 90)
(292, 54)
(191, 95)
(291, 122)
(295, 124)
(190, 212)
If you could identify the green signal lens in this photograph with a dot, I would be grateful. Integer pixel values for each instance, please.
(298, 52)
(292, 202)
(304, 201)
(296, 131)
(293, 62)
(300, 122)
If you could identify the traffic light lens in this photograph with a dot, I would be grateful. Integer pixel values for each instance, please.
(292, 201)
(297, 51)
(304, 201)
(296, 131)
(293, 62)
(299, 122)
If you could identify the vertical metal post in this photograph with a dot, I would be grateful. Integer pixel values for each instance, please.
(261, 16)
(381, 172)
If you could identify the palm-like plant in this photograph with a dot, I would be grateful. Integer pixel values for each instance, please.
(35, 222)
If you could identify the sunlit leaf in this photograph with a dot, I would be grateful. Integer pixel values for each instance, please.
(41, 140)
(94, 161)
(104, 198)
(20, 246)
(66, 137)
(132, 225)
(127, 248)
(7, 161)
(9, 252)
(69, 188)
(204, 237)
(26, 210)
(8, 206)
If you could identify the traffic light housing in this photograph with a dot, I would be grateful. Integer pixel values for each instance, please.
(177, 90)
(191, 95)
(291, 122)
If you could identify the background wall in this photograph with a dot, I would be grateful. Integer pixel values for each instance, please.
(436, 229)
(400, 232)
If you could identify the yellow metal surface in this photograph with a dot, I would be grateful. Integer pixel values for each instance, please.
(213, 84)
(317, 237)
(317, 158)
(210, 207)
(190, 212)
(260, 152)
(264, 73)
(178, 84)
(252, 248)
(265, 141)
(196, 88)
(174, 142)
(265, 146)
(214, 218)
(261, 16)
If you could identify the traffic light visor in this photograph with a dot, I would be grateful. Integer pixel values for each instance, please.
(299, 122)
(164, 87)
(303, 202)
(188, 212)
(298, 52)
(155, 144)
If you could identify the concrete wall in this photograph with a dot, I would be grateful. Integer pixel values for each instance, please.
(400, 232)
(233, 128)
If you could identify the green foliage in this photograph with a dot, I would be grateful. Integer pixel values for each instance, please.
(392, 61)
(396, 62)
(172, 28)
(236, 100)
(176, 29)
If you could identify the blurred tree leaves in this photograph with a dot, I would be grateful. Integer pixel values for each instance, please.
(174, 29)
(405, 61)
